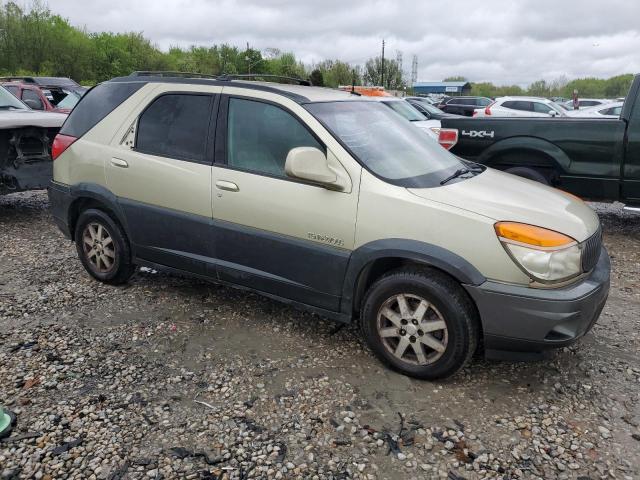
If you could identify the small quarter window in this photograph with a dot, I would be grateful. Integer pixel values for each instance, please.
(176, 126)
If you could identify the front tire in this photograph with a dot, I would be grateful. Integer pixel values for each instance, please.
(103, 247)
(420, 322)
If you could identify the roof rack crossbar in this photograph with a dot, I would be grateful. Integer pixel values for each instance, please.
(163, 73)
(299, 81)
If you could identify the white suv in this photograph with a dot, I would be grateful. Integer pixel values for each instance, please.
(330, 202)
(521, 107)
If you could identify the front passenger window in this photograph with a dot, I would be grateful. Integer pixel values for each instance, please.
(260, 136)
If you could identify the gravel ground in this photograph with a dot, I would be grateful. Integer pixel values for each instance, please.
(170, 377)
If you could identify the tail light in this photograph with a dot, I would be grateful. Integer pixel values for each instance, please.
(60, 144)
(487, 111)
(448, 137)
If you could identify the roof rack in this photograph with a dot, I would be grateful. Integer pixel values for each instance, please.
(299, 81)
(163, 73)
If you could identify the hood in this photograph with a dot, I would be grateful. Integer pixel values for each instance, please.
(427, 125)
(505, 197)
(30, 118)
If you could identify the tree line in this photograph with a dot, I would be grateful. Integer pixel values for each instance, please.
(613, 87)
(36, 41)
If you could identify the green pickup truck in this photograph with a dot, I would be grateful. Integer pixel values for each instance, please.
(596, 159)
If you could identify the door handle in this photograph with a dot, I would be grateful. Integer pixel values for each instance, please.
(117, 162)
(228, 186)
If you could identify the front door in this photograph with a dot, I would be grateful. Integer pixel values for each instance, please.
(274, 233)
(163, 181)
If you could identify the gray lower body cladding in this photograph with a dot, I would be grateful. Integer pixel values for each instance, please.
(514, 318)
(25, 158)
(521, 319)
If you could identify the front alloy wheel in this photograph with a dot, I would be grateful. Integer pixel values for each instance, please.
(420, 321)
(412, 329)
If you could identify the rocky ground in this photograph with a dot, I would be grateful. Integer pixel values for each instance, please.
(171, 377)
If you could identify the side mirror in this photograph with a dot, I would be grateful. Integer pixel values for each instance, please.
(34, 104)
(552, 113)
(309, 163)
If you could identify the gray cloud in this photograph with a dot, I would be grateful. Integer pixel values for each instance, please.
(501, 41)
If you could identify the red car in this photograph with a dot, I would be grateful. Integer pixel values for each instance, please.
(51, 94)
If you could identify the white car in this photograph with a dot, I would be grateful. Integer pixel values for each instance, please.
(521, 107)
(584, 103)
(417, 119)
(605, 110)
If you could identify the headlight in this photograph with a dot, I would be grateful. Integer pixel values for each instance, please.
(544, 255)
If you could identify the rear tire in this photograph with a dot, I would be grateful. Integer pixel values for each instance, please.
(420, 322)
(103, 247)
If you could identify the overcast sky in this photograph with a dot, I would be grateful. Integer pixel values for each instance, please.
(503, 41)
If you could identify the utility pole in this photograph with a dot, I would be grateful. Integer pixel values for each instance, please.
(382, 73)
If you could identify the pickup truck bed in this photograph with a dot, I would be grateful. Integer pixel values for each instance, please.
(596, 159)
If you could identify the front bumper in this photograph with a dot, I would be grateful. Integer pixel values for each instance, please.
(519, 321)
(60, 199)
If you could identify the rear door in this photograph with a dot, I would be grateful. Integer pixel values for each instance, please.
(162, 177)
(274, 233)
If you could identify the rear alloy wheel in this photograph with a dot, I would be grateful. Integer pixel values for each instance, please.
(420, 322)
(103, 247)
(98, 247)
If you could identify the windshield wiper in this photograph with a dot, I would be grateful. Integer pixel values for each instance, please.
(456, 174)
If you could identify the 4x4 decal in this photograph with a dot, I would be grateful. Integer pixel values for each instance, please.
(477, 133)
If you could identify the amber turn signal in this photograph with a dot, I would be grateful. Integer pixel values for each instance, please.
(531, 235)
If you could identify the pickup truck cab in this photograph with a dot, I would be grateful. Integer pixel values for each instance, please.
(596, 159)
(331, 202)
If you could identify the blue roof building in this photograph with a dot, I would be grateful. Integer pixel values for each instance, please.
(444, 88)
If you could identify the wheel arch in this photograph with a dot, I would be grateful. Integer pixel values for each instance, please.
(536, 152)
(372, 260)
(88, 195)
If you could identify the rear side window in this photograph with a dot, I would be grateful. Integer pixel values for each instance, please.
(483, 102)
(176, 126)
(518, 105)
(97, 103)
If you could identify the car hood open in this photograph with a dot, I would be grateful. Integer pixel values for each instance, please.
(30, 118)
(505, 197)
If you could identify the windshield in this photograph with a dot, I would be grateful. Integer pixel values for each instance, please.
(430, 108)
(69, 101)
(385, 144)
(558, 108)
(405, 109)
(8, 101)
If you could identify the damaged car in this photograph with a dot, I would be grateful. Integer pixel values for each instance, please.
(26, 137)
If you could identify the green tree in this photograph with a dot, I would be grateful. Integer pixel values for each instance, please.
(392, 75)
(316, 78)
(455, 78)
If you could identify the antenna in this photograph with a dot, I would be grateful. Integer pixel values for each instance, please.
(414, 70)
(382, 69)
